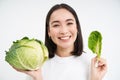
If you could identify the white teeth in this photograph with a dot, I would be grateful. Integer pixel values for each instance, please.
(64, 38)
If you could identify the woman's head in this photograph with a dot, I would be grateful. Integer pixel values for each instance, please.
(63, 30)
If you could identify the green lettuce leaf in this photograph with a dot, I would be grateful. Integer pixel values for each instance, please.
(95, 42)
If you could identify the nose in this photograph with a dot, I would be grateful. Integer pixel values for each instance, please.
(63, 30)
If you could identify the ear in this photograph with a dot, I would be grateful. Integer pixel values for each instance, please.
(49, 32)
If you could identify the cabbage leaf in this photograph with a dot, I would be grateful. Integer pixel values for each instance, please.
(95, 42)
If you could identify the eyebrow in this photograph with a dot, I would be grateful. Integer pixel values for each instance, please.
(55, 22)
(69, 20)
(59, 21)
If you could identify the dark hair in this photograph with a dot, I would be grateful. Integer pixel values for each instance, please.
(78, 45)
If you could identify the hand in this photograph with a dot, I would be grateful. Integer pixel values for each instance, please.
(98, 68)
(35, 74)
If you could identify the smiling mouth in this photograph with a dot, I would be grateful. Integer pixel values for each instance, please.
(64, 37)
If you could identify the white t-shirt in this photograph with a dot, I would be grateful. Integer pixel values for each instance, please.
(67, 68)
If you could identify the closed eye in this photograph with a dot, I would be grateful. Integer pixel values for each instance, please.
(70, 23)
(56, 25)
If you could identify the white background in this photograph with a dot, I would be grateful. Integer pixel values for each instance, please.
(19, 18)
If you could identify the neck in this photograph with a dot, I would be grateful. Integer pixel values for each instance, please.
(63, 52)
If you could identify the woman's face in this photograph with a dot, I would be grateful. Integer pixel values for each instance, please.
(62, 28)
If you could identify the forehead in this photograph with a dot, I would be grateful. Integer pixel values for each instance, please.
(61, 14)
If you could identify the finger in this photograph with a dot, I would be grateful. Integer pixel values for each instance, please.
(94, 62)
(102, 63)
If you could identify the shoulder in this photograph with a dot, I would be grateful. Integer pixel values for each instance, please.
(47, 62)
(85, 58)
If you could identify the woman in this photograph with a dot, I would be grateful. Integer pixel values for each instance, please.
(65, 44)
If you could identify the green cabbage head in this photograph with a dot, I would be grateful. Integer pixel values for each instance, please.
(27, 54)
(95, 43)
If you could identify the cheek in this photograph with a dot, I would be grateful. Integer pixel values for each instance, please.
(74, 30)
(53, 32)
